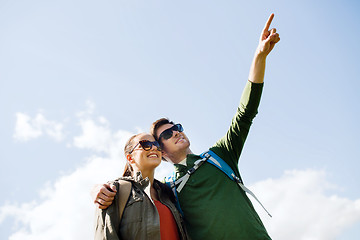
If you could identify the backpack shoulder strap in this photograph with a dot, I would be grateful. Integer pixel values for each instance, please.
(170, 182)
(220, 164)
(210, 157)
(225, 168)
(123, 188)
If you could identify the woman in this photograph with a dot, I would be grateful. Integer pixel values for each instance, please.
(150, 212)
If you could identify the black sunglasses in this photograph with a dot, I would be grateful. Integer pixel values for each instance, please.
(147, 145)
(168, 133)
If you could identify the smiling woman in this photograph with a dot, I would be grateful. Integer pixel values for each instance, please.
(141, 157)
(149, 205)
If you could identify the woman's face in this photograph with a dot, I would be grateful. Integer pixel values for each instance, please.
(145, 160)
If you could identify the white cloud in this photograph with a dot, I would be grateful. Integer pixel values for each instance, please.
(299, 201)
(27, 128)
(24, 130)
(96, 134)
(89, 111)
(65, 210)
(301, 208)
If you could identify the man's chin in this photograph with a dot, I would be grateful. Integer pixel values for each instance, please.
(182, 141)
(183, 144)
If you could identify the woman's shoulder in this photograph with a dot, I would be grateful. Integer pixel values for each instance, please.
(122, 182)
(127, 178)
(161, 185)
(164, 189)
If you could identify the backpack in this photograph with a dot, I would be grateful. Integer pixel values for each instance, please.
(123, 192)
(210, 157)
(123, 188)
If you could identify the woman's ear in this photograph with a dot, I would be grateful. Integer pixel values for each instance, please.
(129, 159)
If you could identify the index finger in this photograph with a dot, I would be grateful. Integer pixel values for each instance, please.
(267, 25)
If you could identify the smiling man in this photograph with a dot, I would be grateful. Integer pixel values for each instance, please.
(214, 206)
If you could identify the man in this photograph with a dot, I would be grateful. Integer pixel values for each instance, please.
(214, 206)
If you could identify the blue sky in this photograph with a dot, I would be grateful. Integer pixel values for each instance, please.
(77, 78)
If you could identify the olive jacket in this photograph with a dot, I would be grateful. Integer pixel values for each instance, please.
(140, 219)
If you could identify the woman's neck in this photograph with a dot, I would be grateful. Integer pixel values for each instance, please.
(150, 174)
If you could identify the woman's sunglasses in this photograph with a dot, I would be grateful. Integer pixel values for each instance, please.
(168, 133)
(147, 145)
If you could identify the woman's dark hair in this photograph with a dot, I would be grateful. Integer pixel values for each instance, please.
(128, 147)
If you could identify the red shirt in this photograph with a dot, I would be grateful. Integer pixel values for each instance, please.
(168, 228)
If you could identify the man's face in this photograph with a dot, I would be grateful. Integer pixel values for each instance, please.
(177, 142)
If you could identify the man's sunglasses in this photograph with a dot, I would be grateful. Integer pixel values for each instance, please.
(147, 145)
(168, 133)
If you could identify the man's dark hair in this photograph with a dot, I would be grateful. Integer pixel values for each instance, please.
(158, 123)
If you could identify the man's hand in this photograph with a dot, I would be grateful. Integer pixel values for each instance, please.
(103, 195)
(268, 38)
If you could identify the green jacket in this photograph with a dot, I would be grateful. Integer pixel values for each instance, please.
(214, 206)
(140, 220)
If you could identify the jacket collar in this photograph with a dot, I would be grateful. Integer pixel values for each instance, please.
(138, 180)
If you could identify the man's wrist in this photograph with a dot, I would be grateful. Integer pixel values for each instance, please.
(260, 56)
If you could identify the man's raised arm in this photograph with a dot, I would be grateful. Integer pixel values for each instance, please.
(230, 146)
(267, 41)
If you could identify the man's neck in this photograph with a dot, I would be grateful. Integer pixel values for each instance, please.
(177, 158)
